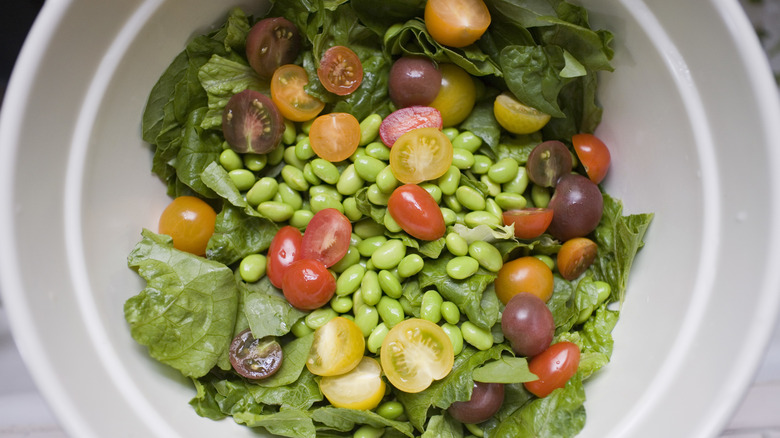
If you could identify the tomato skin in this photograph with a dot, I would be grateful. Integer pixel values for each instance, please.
(340, 70)
(575, 257)
(335, 136)
(190, 222)
(530, 223)
(401, 121)
(289, 95)
(456, 23)
(554, 367)
(524, 274)
(308, 284)
(420, 155)
(285, 249)
(414, 353)
(593, 154)
(416, 212)
(271, 43)
(457, 95)
(327, 236)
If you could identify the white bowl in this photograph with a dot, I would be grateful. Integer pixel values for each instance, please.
(691, 114)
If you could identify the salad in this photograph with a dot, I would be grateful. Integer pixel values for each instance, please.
(387, 219)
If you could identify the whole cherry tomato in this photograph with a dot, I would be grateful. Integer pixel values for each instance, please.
(190, 222)
(285, 249)
(554, 367)
(416, 212)
(308, 284)
(327, 237)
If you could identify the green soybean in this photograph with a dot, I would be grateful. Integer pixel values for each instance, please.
(450, 312)
(511, 201)
(319, 317)
(487, 255)
(410, 265)
(300, 329)
(359, 152)
(493, 187)
(547, 260)
(367, 431)
(432, 190)
(390, 409)
(322, 201)
(378, 150)
(325, 170)
(290, 196)
(292, 159)
(252, 267)
(377, 336)
(540, 196)
(263, 190)
(390, 223)
(386, 181)
(476, 218)
(351, 210)
(390, 310)
(349, 182)
(230, 160)
(275, 156)
(389, 254)
(492, 207)
(341, 304)
(451, 133)
(519, 183)
(301, 218)
(289, 135)
(475, 430)
(450, 181)
(370, 289)
(349, 280)
(352, 257)
(368, 167)
(369, 245)
(451, 201)
(462, 267)
(294, 178)
(303, 150)
(390, 284)
(456, 337)
(430, 306)
(481, 165)
(467, 140)
(448, 215)
(369, 129)
(376, 196)
(308, 174)
(367, 228)
(462, 159)
(456, 244)
(504, 170)
(306, 126)
(276, 211)
(366, 318)
(242, 178)
(479, 338)
(255, 162)
(470, 198)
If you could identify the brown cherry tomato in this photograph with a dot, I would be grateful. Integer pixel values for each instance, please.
(575, 257)
(255, 358)
(525, 274)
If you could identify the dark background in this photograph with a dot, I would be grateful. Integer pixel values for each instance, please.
(15, 21)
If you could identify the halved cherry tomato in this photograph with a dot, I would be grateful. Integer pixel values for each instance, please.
(337, 348)
(362, 388)
(255, 358)
(416, 352)
(456, 23)
(190, 222)
(457, 95)
(327, 237)
(554, 367)
(401, 121)
(340, 70)
(524, 274)
(416, 212)
(420, 155)
(575, 256)
(593, 154)
(530, 223)
(251, 122)
(308, 284)
(285, 249)
(289, 95)
(335, 136)
(516, 117)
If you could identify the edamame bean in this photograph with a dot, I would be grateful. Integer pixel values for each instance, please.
(319, 317)
(242, 178)
(493, 187)
(492, 207)
(255, 162)
(410, 265)
(386, 181)
(462, 159)
(300, 329)
(303, 150)
(351, 210)
(409, 308)
(290, 196)
(263, 190)
(549, 261)
(510, 201)
(476, 218)
(252, 267)
(308, 174)
(324, 189)
(359, 152)
(349, 182)
(367, 431)
(450, 312)
(478, 337)
(467, 140)
(475, 430)
(325, 170)
(504, 170)
(450, 181)
(481, 165)
(370, 289)
(451, 133)
(368, 167)
(390, 284)
(369, 245)
(451, 201)
(449, 216)
(456, 244)
(367, 228)
(294, 178)
(390, 409)
(275, 211)
(369, 129)
(540, 196)
(322, 201)
(433, 190)
(486, 255)
(366, 318)
(341, 304)
(349, 280)
(378, 150)
(377, 336)
(390, 310)
(391, 225)
(306, 126)
(462, 267)
(275, 156)
(453, 332)
(604, 290)
(292, 159)
(230, 160)
(301, 218)
(519, 183)
(430, 307)
(376, 196)
(470, 198)
(389, 254)
(289, 135)
(350, 258)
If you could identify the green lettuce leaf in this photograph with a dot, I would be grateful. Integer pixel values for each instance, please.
(267, 311)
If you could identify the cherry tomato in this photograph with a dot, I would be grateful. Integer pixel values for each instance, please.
(271, 43)
(457, 95)
(337, 348)
(289, 95)
(401, 121)
(575, 257)
(190, 222)
(593, 154)
(528, 324)
(327, 236)
(530, 223)
(414, 80)
(340, 70)
(255, 358)
(524, 274)
(308, 284)
(456, 23)
(421, 155)
(547, 162)
(362, 388)
(577, 206)
(335, 136)
(416, 212)
(285, 249)
(252, 123)
(416, 352)
(516, 117)
(486, 399)
(554, 367)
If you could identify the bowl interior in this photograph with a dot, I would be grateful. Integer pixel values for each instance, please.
(687, 144)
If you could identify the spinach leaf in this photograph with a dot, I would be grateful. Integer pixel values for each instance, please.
(237, 234)
(266, 309)
(343, 419)
(199, 149)
(294, 423)
(443, 426)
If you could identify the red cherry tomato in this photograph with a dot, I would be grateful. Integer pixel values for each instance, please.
(416, 212)
(340, 70)
(327, 236)
(308, 284)
(401, 121)
(593, 154)
(554, 367)
(285, 249)
(530, 223)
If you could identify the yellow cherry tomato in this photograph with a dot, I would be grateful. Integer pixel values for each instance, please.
(361, 388)
(190, 222)
(420, 155)
(516, 117)
(456, 96)
(416, 352)
(337, 348)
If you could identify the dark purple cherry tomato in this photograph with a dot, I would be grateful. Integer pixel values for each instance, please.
(528, 324)
(577, 205)
(486, 400)
(252, 123)
(414, 80)
(255, 358)
(271, 43)
(547, 162)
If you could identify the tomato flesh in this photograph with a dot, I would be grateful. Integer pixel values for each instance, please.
(575, 257)
(190, 222)
(416, 352)
(529, 223)
(340, 70)
(593, 154)
(337, 348)
(456, 23)
(289, 95)
(416, 212)
(401, 121)
(285, 248)
(554, 367)
(420, 155)
(327, 236)
(524, 274)
(335, 136)
(362, 388)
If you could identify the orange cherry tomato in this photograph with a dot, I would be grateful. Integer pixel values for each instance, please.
(420, 155)
(530, 223)
(416, 212)
(335, 136)
(525, 274)
(190, 222)
(593, 154)
(554, 367)
(290, 97)
(340, 70)
(575, 257)
(456, 23)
